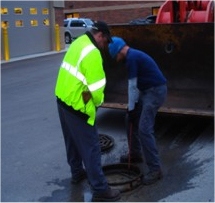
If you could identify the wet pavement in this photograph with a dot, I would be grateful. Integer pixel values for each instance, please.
(33, 159)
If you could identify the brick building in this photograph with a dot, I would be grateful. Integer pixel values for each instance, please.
(110, 11)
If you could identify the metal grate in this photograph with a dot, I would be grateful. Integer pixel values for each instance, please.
(106, 142)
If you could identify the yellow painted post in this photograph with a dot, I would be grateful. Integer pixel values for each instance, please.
(57, 37)
(6, 44)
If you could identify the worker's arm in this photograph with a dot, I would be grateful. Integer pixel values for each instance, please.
(133, 93)
(95, 77)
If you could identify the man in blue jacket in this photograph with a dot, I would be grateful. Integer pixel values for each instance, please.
(147, 91)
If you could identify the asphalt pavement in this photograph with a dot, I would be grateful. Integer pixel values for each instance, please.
(33, 158)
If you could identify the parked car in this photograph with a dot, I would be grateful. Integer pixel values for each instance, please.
(74, 27)
(148, 20)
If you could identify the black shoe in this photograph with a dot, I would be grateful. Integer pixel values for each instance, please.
(108, 196)
(133, 159)
(152, 177)
(79, 178)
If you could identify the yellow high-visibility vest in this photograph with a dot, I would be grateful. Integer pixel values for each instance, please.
(82, 70)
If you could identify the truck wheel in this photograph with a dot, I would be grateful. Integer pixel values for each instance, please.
(68, 38)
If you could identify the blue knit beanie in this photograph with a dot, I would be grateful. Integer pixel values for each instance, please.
(115, 46)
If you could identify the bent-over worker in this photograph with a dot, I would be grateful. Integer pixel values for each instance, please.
(147, 91)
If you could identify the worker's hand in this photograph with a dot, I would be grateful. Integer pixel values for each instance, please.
(86, 95)
(134, 114)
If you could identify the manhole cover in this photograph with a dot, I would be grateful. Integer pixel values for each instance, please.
(124, 177)
(106, 142)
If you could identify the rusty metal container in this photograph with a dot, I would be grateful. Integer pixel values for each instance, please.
(185, 54)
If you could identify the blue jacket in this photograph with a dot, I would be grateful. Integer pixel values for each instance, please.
(143, 73)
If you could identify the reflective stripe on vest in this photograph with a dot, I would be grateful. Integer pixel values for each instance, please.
(76, 73)
(84, 52)
(95, 86)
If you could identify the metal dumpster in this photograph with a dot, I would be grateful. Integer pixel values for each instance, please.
(185, 54)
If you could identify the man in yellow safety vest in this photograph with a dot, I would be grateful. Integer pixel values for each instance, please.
(79, 91)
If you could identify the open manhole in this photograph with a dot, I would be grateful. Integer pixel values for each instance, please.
(124, 177)
(106, 142)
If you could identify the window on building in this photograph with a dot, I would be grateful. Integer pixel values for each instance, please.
(33, 11)
(69, 16)
(46, 22)
(155, 10)
(76, 15)
(19, 23)
(72, 15)
(4, 11)
(45, 11)
(18, 10)
(34, 23)
(4, 24)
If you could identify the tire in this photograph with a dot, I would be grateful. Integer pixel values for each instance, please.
(68, 38)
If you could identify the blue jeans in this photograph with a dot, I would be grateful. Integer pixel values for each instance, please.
(141, 138)
(82, 147)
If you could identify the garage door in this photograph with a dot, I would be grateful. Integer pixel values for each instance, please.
(28, 25)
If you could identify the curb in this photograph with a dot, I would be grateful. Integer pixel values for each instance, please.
(33, 56)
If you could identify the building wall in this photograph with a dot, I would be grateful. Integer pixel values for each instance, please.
(111, 11)
(31, 26)
(26, 31)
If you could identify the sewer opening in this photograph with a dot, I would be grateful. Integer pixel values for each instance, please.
(106, 143)
(124, 177)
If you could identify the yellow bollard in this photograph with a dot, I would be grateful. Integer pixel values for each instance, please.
(6, 44)
(57, 37)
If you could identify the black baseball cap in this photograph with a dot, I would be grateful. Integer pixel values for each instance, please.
(102, 27)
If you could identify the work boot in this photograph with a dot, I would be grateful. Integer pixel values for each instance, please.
(133, 159)
(152, 177)
(110, 195)
(78, 178)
